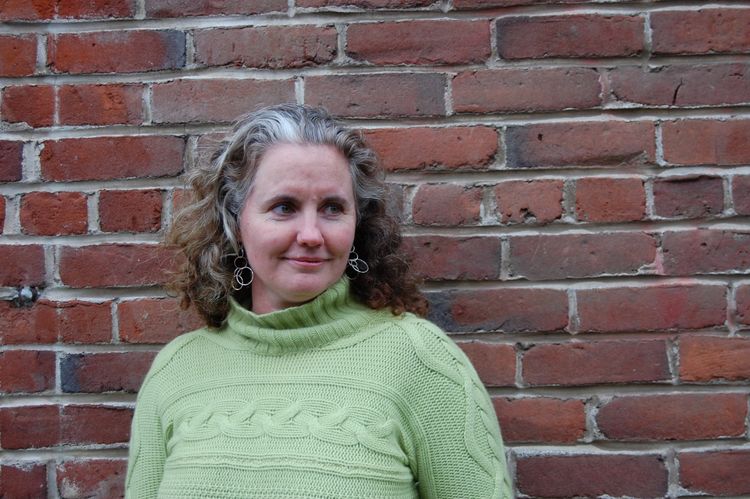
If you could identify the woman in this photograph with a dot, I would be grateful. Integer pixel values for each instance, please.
(314, 378)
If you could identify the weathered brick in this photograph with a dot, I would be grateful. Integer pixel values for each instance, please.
(272, 47)
(705, 251)
(2, 214)
(11, 155)
(23, 480)
(395, 201)
(704, 31)
(717, 473)
(540, 420)
(366, 4)
(590, 363)
(28, 10)
(443, 257)
(586, 35)
(594, 475)
(580, 255)
(154, 320)
(104, 372)
(101, 104)
(446, 204)
(47, 322)
(116, 51)
(692, 416)
(34, 324)
(648, 308)
(709, 358)
(17, 55)
(495, 362)
(43, 10)
(108, 265)
(529, 201)
(610, 199)
(180, 8)
(378, 95)
(688, 197)
(607, 143)
(510, 310)
(29, 426)
(434, 148)
(741, 194)
(419, 42)
(23, 265)
(706, 142)
(103, 158)
(54, 213)
(682, 85)
(84, 322)
(743, 304)
(94, 424)
(91, 478)
(486, 4)
(33, 105)
(27, 371)
(215, 100)
(130, 211)
(527, 89)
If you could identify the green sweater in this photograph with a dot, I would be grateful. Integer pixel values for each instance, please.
(329, 399)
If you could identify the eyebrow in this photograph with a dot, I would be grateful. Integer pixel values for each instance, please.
(289, 198)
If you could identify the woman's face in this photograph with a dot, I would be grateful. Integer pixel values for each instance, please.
(297, 224)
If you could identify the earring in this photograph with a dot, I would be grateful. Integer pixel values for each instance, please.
(240, 266)
(356, 263)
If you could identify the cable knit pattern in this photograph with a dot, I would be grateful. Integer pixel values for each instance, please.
(326, 400)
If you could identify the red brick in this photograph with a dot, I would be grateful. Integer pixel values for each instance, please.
(419, 42)
(154, 320)
(442, 257)
(96, 9)
(486, 4)
(2, 214)
(27, 371)
(607, 143)
(692, 416)
(434, 148)
(91, 478)
(378, 95)
(92, 424)
(109, 265)
(215, 100)
(29, 427)
(104, 372)
(34, 324)
(11, 155)
(610, 199)
(702, 251)
(592, 475)
(54, 213)
(580, 255)
(591, 363)
(104, 158)
(84, 322)
(682, 85)
(741, 194)
(495, 363)
(715, 31)
(743, 304)
(540, 420)
(130, 211)
(17, 55)
(688, 197)
(446, 204)
(716, 473)
(510, 310)
(272, 47)
(23, 480)
(647, 308)
(23, 265)
(395, 201)
(365, 4)
(569, 36)
(33, 105)
(180, 8)
(705, 142)
(527, 89)
(116, 51)
(28, 10)
(101, 104)
(529, 201)
(708, 358)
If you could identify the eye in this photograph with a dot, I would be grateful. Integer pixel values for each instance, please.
(283, 208)
(333, 209)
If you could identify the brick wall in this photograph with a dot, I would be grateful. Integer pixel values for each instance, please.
(573, 177)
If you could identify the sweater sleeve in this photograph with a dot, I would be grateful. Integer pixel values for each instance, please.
(456, 444)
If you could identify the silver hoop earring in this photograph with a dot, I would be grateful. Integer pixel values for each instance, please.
(356, 263)
(240, 266)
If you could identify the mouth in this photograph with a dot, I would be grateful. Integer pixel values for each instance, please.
(306, 261)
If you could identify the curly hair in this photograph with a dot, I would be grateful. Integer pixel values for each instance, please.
(206, 230)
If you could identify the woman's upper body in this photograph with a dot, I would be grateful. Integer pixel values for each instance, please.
(313, 378)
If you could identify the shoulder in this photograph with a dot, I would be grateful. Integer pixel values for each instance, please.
(185, 344)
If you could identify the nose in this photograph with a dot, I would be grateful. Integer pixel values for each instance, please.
(308, 233)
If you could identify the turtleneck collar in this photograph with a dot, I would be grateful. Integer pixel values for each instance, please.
(331, 315)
